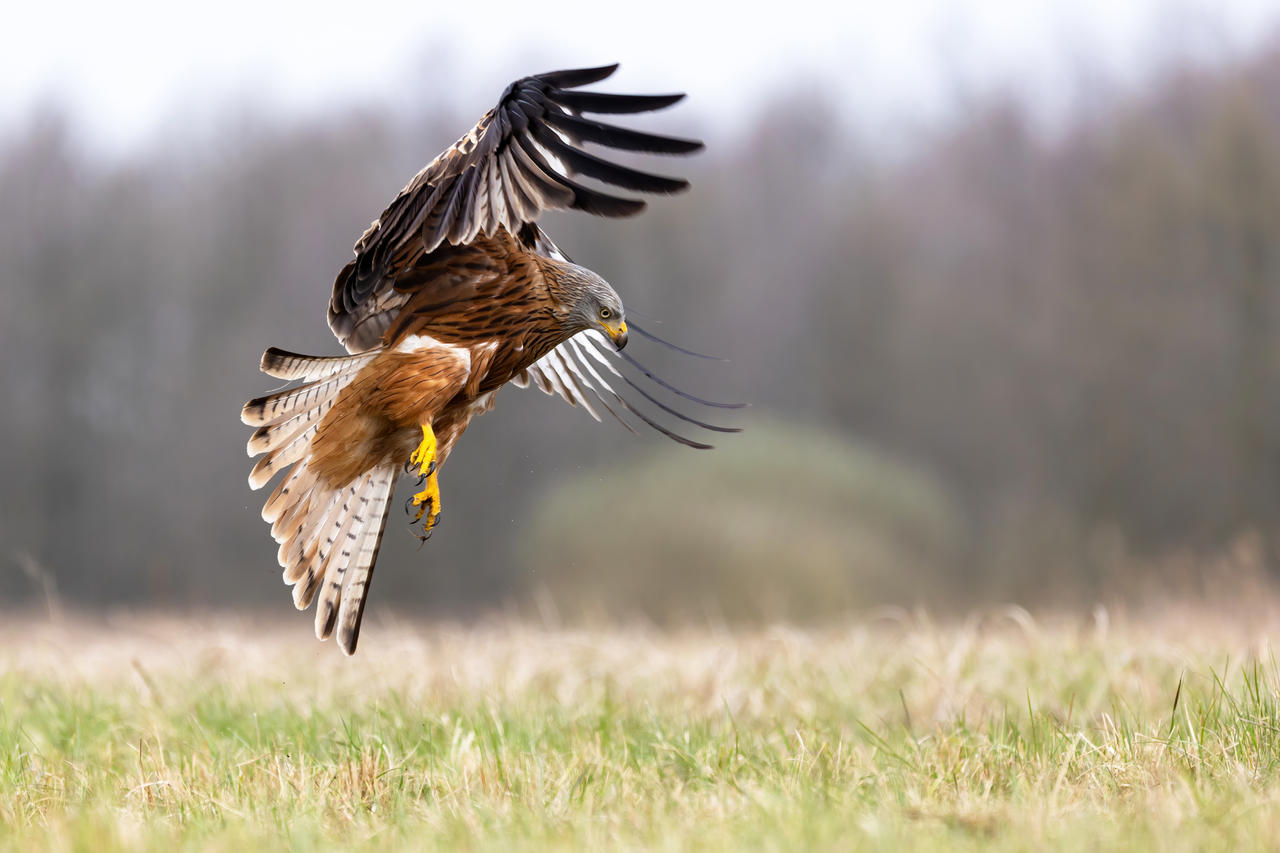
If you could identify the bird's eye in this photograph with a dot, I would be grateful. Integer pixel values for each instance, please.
(605, 313)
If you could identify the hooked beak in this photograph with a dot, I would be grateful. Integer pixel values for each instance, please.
(618, 334)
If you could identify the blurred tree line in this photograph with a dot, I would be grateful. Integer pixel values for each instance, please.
(1073, 329)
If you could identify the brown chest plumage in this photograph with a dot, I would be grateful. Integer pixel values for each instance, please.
(375, 418)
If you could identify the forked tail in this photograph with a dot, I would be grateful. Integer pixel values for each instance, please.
(329, 535)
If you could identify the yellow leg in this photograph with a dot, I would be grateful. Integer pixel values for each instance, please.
(425, 456)
(428, 500)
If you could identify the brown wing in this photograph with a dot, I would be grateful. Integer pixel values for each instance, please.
(518, 161)
(472, 293)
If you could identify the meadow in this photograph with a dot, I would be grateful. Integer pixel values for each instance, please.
(1157, 729)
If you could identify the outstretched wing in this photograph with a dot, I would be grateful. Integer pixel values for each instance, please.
(521, 159)
(583, 371)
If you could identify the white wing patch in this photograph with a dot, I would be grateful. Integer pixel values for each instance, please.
(426, 343)
(572, 371)
(566, 372)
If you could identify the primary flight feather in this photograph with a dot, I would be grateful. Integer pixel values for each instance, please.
(454, 292)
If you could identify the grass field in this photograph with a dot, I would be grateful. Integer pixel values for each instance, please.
(1002, 732)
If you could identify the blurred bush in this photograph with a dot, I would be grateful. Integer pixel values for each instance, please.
(782, 522)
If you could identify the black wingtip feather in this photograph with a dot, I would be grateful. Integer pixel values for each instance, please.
(674, 390)
(657, 340)
(623, 138)
(674, 436)
(602, 204)
(602, 170)
(604, 102)
(571, 77)
(682, 416)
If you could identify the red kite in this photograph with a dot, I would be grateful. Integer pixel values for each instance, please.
(454, 292)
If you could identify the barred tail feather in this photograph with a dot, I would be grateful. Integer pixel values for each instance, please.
(289, 409)
(339, 542)
(346, 554)
(302, 550)
(329, 541)
(290, 365)
(308, 577)
(279, 459)
(287, 495)
(329, 537)
(287, 420)
(280, 406)
(271, 436)
(351, 612)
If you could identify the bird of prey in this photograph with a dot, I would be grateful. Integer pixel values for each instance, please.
(454, 291)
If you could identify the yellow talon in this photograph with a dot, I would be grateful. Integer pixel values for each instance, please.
(428, 500)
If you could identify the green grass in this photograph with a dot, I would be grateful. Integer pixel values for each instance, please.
(998, 733)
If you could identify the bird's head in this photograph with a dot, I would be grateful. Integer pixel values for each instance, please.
(596, 305)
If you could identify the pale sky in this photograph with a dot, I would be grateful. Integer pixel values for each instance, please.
(124, 67)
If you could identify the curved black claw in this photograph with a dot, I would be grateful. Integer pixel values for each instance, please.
(410, 466)
(423, 509)
(410, 508)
